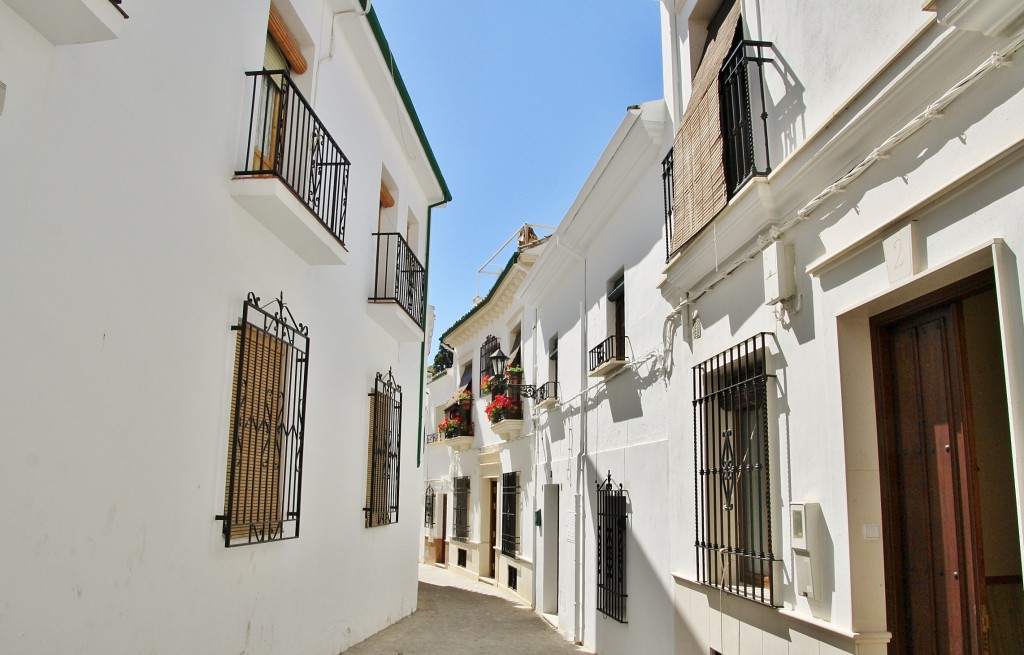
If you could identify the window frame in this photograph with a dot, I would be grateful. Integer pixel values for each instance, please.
(384, 452)
(510, 513)
(732, 481)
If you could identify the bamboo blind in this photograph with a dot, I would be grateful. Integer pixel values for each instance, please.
(257, 498)
(700, 186)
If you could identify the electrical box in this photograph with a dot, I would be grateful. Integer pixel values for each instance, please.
(778, 273)
(805, 535)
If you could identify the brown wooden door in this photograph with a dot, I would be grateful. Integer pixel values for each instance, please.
(932, 550)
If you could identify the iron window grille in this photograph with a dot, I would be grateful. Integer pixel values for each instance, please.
(287, 139)
(385, 451)
(732, 482)
(433, 437)
(268, 409)
(743, 159)
(491, 343)
(428, 507)
(611, 549)
(668, 196)
(399, 277)
(461, 510)
(510, 513)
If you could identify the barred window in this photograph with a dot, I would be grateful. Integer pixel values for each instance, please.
(428, 508)
(611, 550)
(384, 452)
(510, 513)
(668, 195)
(733, 490)
(268, 408)
(490, 344)
(461, 510)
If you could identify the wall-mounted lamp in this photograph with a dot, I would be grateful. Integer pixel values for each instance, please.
(498, 363)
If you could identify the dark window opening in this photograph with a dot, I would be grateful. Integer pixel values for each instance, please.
(385, 449)
(513, 578)
(733, 493)
(461, 557)
(428, 508)
(611, 550)
(461, 511)
(510, 513)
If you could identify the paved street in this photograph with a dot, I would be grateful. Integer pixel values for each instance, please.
(461, 616)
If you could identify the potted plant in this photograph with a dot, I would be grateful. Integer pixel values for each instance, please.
(515, 374)
(502, 408)
(451, 427)
(489, 383)
(465, 399)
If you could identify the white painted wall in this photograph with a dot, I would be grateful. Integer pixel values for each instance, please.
(125, 261)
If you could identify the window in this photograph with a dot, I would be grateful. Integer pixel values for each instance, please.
(384, 452)
(428, 508)
(510, 513)
(461, 510)
(513, 578)
(490, 344)
(612, 349)
(717, 147)
(611, 550)
(733, 495)
(268, 408)
(461, 557)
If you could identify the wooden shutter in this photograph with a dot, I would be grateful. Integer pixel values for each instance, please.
(289, 46)
(700, 185)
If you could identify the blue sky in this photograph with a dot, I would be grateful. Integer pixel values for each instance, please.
(518, 100)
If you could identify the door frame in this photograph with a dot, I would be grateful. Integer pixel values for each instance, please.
(966, 491)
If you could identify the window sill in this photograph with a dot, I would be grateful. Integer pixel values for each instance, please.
(272, 203)
(461, 442)
(547, 402)
(65, 22)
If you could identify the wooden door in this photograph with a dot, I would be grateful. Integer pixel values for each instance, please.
(934, 589)
(441, 559)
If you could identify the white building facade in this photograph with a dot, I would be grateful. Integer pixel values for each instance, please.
(215, 231)
(846, 453)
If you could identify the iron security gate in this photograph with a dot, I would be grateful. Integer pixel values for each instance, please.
(268, 409)
(611, 550)
(385, 450)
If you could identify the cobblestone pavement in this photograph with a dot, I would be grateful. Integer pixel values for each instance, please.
(459, 616)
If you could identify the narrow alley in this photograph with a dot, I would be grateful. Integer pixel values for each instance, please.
(457, 615)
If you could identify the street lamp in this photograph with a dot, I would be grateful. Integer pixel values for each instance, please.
(498, 363)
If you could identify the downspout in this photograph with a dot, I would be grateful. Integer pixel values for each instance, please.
(423, 344)
(581, 485)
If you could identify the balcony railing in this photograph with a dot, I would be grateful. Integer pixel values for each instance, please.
(742, 96)
(547, 391)
(612, 348)
(286, 139)
(433, 437)
(399, 276)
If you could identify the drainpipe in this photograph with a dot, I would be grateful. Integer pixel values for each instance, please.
(581, 487)
(423, 344)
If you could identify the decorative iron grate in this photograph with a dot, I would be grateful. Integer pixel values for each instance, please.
(547, 391)
(460, 513)
(742, 159)
(268, 408)
(385, 452)
(611, 549)
(287, 139)
(491, 343)
(733, 485)
(428, 507)
(510, 513)
(399, 276)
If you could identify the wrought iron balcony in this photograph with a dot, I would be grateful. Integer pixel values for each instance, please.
(547, 394)
(608, 355)
(399, 276)
(742, 96)
(287, 140)
(433, 437)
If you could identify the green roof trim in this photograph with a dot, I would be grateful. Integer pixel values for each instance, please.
(389, 57)
(487, 298)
